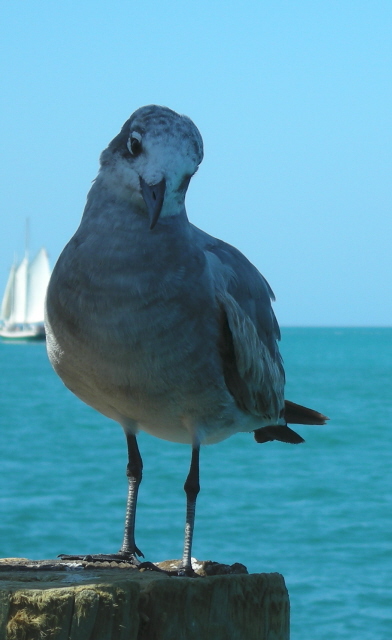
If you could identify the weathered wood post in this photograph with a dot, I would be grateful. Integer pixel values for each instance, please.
(56, 601)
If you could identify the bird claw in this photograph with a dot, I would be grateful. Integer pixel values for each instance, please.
(186, 573)
(131, 558)
(150, 566)
(180, 573)
(104, 557)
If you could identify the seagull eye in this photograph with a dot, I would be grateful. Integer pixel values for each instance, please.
(134, 144)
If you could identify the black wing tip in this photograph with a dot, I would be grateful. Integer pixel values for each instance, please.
(279, 432)
(297, 414)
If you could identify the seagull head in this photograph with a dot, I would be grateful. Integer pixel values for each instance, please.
(151, 161)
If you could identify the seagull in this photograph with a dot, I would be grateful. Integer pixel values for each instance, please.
(158, 325)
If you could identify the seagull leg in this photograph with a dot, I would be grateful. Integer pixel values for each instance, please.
(134, 473)
(191, 488)
(129, 550)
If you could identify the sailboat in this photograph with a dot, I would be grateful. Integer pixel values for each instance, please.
(22, 307)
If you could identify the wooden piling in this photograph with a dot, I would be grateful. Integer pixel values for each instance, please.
(66, 601)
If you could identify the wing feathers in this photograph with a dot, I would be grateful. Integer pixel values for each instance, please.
(252, 365)
(253, 376)
(297, 414)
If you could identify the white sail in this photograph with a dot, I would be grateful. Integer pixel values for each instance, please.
(37, 283)
(22, 307)
(20, 293)
(8, 298)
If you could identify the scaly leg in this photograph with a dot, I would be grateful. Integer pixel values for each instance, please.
(134, 473)
(192, 488)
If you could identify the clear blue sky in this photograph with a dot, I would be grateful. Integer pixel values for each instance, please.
(293, 100)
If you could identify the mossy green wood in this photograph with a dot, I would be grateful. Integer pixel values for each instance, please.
(127, 605)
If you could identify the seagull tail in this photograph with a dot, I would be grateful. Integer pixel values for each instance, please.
(297, 414)
(279, 432)
(294, 414)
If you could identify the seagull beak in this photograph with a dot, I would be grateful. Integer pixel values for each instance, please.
(153, 195)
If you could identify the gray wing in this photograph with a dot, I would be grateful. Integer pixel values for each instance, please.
(252, 363)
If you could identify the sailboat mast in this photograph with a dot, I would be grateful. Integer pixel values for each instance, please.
(27, 248)
(13, 268)
(27, 238)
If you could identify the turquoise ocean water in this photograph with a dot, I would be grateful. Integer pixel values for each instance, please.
(319, 513)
